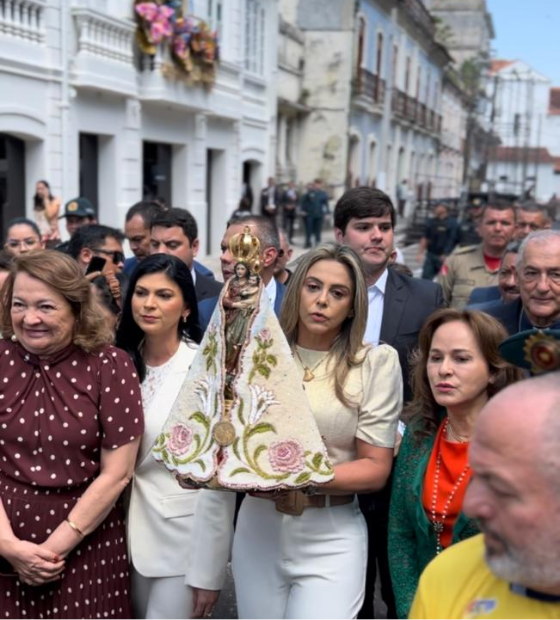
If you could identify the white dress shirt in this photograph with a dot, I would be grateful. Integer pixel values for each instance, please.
(271, 291)
(376, 297)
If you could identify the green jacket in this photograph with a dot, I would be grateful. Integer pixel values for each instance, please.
(412, 540)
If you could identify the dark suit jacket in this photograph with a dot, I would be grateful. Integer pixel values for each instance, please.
(408, 303)
(482, 294)
(206, 306)
(206, 287)
(509, 315)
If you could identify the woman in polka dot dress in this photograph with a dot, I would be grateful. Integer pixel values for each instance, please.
(70, 425)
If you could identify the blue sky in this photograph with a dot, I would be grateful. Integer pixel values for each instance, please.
(528, 30)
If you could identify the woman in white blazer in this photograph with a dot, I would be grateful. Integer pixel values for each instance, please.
(159, 329)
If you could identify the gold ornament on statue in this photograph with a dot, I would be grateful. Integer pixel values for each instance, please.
(246, 248)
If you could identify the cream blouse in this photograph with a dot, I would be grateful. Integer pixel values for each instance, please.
(376, 387)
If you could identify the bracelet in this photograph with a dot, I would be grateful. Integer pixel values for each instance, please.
(75, 528)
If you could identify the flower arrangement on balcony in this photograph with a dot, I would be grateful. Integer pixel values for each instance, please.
(193, 46)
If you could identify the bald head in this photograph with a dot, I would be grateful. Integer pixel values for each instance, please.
(515, 458)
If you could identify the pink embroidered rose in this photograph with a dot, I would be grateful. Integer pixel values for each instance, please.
(265, 334)
(286, 456)
(180, 439)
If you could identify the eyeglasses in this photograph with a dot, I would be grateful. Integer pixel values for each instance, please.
(116, 255)
(24, 243)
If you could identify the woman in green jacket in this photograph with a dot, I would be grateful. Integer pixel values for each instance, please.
(456, 370)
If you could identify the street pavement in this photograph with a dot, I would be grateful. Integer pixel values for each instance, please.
(226, 606)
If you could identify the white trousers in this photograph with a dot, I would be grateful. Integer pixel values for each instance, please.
(311, 566)
(161, 597)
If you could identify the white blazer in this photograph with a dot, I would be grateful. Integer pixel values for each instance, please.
(160, 513)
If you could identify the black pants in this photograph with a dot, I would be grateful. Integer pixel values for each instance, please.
(313, 227)
(432, 266)
(375, 508)
(288, 219)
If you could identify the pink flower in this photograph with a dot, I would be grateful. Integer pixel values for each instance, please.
(265, 334)
(286, 456)
(180, 439)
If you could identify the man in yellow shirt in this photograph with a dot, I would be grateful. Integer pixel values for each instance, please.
(512, 570)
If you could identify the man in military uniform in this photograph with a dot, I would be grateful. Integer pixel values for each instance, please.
(438, 241)
(478, 265)
(467, 229)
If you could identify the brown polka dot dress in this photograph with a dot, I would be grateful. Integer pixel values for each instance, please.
(55, 416)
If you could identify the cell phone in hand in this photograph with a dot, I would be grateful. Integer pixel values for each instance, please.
(97, 263)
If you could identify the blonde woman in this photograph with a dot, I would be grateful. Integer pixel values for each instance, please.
(312, 565)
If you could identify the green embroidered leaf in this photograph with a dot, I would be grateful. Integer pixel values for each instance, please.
(174, 460)
(240, 470)
(197, 442)
(259, 341)
(271, 359)
(264, 371)
(307, 453)
(258, 452)
(317, 460)
(165, 455)
(240, 411)
(256, 357)
(202, 465)
(199, 417)
(263, 427)
(304, 477)
(235, 448)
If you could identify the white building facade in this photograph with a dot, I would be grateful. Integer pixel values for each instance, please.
(85, 109)
(524, 117)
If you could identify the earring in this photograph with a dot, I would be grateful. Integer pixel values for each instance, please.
(14, 338)
(185, 318)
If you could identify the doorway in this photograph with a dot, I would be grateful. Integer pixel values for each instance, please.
(12, 180)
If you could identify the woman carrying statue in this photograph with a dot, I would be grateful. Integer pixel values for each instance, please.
(311, 563)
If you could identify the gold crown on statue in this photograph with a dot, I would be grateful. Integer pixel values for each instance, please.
(246, 248)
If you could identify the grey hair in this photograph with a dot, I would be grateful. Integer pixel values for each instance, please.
(540, 237)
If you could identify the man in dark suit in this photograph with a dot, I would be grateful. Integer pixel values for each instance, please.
(538, 274)
(266, 231)
(364, 219)
(175, 232)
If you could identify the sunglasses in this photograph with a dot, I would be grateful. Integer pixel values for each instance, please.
(116, 255)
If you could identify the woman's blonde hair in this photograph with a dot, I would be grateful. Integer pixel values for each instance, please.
(349, 342)
(488, 333)
(62, 274)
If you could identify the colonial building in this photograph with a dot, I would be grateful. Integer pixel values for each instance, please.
(366, 81)
(87, 109)
(525, 116)
(470, 28)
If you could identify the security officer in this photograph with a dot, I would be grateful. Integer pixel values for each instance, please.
(78, 212)
(478, 265)
(438, 241)
(467, 229)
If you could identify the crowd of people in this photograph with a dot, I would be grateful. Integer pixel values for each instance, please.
(444, 451)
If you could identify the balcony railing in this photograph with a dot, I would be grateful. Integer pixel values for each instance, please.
(104, 37)
(23, 19)
(370, 85)
(408, 108)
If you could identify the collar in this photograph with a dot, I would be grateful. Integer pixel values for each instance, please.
(271, 291)
(381, 282)
(193, 274)
(517, 588)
